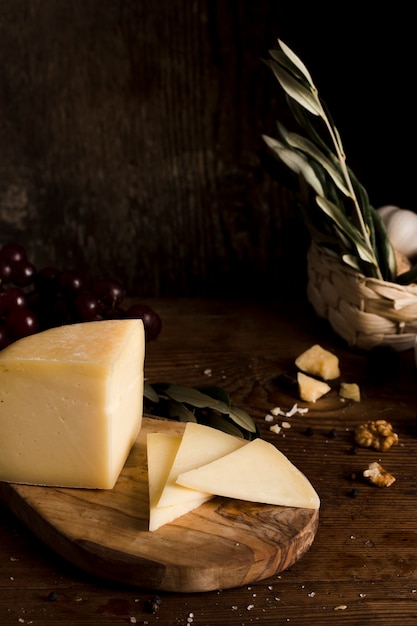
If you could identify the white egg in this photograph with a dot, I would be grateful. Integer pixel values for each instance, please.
(402, 231)
(387, 210)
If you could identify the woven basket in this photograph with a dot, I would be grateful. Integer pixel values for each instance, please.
(365, 312)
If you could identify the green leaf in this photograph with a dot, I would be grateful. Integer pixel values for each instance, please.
(150, 393)
(345, 225)
(196, 398)
(198, 405)
(302, 143)
(346, 213)
(178, 411)
(216, 420)
(295, 59)
(295, 161)
(352, 261)
(215, 392)
(296, 90)
(240, 417)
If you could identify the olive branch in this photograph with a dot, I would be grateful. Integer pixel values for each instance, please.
(335, 205)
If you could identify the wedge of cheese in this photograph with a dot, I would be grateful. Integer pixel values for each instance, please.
(200, 445)
(257, 472)
(71, 402)
(161, 451)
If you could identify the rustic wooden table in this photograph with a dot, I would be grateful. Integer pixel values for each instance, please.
(362, 566)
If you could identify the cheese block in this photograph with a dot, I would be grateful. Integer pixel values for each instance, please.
(71, 401)
(257, 472)
(200, 445)
(161, 451)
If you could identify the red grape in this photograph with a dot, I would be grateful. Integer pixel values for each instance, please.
(71, 282)
(151, 320)
(33, 300)
(22, 273)
(86, 307)
(5, 270)
(21, 322)
(109, 292)
(13, 297)
(13, 252)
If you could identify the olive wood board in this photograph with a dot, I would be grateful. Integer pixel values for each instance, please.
(223, 543)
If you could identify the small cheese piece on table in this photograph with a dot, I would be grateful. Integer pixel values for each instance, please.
(258, 472)
(161, 451)
(200, 445)
(311, 389)
(319, 362)
(71, 401)
(350, 391)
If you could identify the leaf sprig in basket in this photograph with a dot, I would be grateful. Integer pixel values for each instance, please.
(209, 405)
(335, 206)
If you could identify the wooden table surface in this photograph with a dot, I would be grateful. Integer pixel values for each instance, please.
(362, 566)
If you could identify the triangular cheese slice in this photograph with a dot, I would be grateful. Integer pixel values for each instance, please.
(199, 445)
(161, 451)
(258, 472)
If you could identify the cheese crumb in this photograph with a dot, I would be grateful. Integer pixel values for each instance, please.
(275, 429)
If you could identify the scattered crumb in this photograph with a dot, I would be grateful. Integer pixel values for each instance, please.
(276, 411)
(275, 429)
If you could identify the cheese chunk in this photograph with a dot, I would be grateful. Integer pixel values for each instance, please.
(257, 472)
(311, 389)
(350, 391)
(161, 451)
(199, 445)
(319, 362)
(71, 402)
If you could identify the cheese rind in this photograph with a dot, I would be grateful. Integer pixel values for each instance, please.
(71, 402)
(161, 451)
(200, 445)
(257, 472)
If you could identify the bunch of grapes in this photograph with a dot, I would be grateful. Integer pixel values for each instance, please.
(33, 300)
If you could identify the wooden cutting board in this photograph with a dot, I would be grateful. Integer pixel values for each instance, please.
(224, 543)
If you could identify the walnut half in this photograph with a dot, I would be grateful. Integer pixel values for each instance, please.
(376, 434)
(378, 476)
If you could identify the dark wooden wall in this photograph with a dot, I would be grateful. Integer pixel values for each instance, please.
(130, 137)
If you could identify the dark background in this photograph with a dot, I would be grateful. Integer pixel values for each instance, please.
(130, 134)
